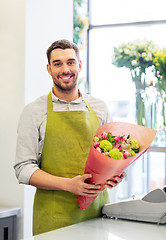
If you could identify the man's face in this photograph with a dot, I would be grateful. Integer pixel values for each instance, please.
(64, 68)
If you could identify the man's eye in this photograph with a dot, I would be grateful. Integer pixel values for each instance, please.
(71, 63)
(57, 64)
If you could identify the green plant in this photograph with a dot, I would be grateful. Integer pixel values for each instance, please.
(80, 21)
(80, 26)
(159, 62)
(160, 72)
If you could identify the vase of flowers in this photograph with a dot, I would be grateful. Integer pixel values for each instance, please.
(137, 56)
(159, 62)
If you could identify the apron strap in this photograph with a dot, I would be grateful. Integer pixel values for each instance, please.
(90, 108)
(50, 105)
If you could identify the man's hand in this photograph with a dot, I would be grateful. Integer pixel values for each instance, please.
(78, 186)
(113, 182)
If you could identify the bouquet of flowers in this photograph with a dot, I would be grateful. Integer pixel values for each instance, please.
(159, 62)
(137, 56)
(115, 146)
(132, 55)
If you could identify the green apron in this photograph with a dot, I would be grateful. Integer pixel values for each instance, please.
(67, 143)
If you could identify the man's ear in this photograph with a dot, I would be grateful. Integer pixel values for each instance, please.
(80, 66)
(49, 69)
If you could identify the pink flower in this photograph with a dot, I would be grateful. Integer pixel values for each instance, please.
(96, 144)
(99, 149)
(120, 148)
(117, 145)
(118, 139)
(124, 139)
(104, 135)
(126, 154)
(106, 153)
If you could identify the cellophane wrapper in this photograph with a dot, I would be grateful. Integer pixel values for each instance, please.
(102, 167)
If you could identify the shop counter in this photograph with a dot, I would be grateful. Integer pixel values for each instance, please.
(106, 229)
(8, 223)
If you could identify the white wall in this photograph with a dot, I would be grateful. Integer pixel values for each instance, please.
(46, 22)
(12, 70)
(27, 28)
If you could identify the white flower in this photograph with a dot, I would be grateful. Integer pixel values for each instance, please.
(126, 51)
(132, 47)
(147, 59)
(143, 54)
(150, 56)
(133, 62)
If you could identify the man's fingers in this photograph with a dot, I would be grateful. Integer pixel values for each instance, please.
(89, 190)
(111, 183)
(123, 175)
(86, 176)
(92, 187)
(88, 185)
(115, 181)
(91, 193)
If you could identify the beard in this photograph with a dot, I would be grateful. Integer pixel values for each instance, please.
(65, 86)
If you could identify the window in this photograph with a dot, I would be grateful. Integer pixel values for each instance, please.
(125, 11)
(111, 24)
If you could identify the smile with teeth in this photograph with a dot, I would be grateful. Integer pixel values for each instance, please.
(66, 77)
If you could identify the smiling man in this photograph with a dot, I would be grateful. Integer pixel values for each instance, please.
(54, 138)
(64, 66)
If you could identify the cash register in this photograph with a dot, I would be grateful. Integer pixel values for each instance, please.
(151, 208)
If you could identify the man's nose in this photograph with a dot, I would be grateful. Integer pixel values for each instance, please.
(65, 68)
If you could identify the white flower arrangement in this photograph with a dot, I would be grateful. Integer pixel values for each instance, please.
(133, 55)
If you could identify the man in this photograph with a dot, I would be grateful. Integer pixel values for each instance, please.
(54, 137)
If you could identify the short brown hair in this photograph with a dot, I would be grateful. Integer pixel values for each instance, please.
(62, 44)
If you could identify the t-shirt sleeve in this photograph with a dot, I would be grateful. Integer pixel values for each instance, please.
(26, 159)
